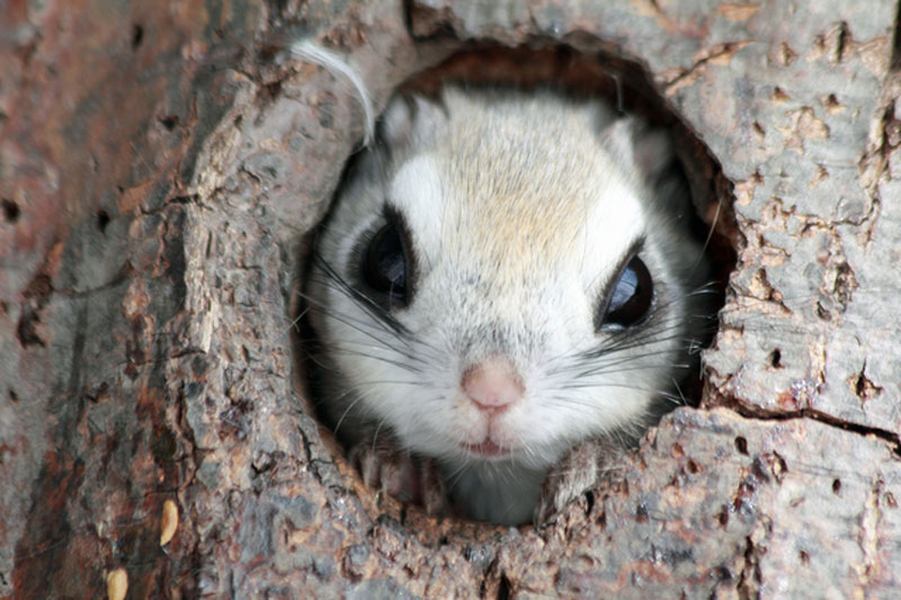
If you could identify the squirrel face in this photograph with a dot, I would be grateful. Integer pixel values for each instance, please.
(505, 275)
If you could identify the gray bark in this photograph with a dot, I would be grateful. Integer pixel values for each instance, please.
(159, 164)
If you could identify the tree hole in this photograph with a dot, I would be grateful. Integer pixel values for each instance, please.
(408, 358)
(11, 211)
(723, 518)
(776, 358)
(169, 122)
(103, 220)
(137, 36)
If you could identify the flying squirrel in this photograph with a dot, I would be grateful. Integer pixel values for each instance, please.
(505, 294)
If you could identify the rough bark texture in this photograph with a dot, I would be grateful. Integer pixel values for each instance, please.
(159, 163)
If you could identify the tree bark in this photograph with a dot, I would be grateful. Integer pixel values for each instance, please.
(159, 165)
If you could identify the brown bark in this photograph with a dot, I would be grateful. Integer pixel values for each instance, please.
(159, 163)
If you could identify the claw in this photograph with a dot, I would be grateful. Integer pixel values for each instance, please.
(387, 468)
(576, 474)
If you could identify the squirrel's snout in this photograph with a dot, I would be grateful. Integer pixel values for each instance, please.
(493, 384)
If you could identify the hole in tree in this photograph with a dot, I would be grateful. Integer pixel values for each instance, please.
(776, 358)
(103, 220)
(723, 518)
(11, 210)
(356, 291)
(137, 36)
(896, 42)
(170, 122)
(27, 328)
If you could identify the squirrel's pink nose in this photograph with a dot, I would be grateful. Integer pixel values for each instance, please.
(493, 384)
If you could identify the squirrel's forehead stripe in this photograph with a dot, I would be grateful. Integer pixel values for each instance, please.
(527, 193)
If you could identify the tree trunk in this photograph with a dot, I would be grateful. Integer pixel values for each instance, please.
(159, 165)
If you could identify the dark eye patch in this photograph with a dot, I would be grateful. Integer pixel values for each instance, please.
(385, 263)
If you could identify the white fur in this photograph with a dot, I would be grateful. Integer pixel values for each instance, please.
(307, 50)
(521, 212)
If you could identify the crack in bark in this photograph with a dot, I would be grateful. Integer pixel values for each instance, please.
(723, 51)
(748, 585)
(895, 64)
(761, 414)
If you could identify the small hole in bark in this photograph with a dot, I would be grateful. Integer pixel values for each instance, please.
(723, 518)
(170, 122)
(137, 36)
(26, 331)
(741, 444)
(805, 558)
(841, 42)
(890, 500)
(619, 89)
(836, 486)
(759, 131)
(13, 396)
(103, 220)
(641, 513)
(863, 387)
(776, 358)
(896, 42)
(11, 210)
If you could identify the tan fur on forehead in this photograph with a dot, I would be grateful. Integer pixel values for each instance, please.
(525, 174)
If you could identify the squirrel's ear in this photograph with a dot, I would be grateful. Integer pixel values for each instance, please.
(411, 120)
(649, 151)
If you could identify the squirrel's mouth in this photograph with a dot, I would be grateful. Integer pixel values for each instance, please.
(487, 448)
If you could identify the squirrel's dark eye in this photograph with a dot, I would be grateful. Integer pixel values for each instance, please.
(632, 296)
(385, 266)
